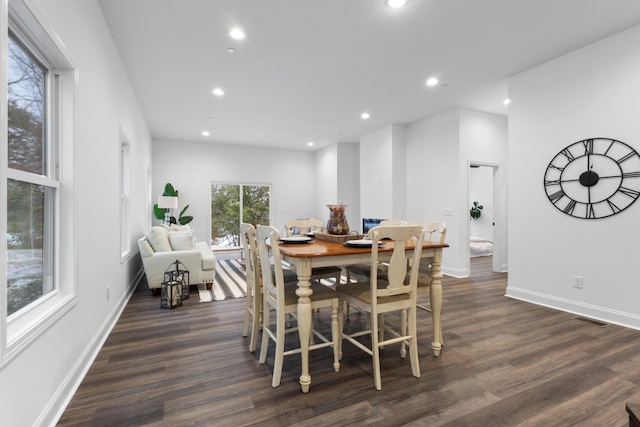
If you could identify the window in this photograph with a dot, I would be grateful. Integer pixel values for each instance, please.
(229, 203)
(125, 241)
(38, 227)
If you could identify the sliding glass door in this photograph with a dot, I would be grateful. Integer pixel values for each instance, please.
(235, 203)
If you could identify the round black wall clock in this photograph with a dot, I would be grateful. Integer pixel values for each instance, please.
(593, 178)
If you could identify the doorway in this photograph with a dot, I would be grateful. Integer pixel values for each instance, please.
(486, 230)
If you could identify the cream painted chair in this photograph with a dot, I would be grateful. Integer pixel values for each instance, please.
(281, 297)
(377, 297)
(361, 270)
(253, 307)
(303, 226)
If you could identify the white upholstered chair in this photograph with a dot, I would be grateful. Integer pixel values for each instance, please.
(281, 297)
(377, 297)
(303, 226)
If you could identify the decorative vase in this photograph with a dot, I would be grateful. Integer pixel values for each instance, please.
(337, 223)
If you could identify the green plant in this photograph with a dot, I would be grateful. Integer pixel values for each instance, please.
(476, 210)
(159, 212)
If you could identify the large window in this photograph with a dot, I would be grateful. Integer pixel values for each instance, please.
(38, 100)
(31, 184)
(230, 203)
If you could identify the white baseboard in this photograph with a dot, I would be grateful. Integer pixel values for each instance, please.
(58, 403)
(628, 320)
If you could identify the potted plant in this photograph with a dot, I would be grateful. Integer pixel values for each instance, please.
(160, 212)
(476, 210)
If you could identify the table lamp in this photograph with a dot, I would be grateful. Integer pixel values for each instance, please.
(167, 203)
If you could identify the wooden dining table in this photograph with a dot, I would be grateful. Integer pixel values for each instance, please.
(318, 253)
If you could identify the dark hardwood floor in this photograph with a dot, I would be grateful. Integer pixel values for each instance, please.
(504, 363)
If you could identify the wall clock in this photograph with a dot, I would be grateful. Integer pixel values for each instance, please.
(593, 178)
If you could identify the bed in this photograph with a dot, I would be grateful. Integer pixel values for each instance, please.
(480, 247)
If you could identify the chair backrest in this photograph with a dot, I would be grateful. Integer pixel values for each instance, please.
(434, 231)
(397, 270)
(248, 236)
(302, 226)
(272, 283)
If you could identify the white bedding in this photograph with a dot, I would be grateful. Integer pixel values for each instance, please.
(480, 247)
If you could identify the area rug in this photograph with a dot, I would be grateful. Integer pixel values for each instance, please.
(230, 282)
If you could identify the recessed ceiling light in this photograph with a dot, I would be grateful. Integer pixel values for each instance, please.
(432, 82)
(205, 133)
(231, 50)
(236, 33)
(506, 101)
(365, 116)
(310, 143)
(217, 92)
(396, 3)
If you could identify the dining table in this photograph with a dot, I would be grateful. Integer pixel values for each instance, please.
(306, 254)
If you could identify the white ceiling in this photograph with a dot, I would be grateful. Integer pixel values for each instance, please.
(308, 68)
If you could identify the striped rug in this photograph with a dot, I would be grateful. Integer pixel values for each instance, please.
(229, 283)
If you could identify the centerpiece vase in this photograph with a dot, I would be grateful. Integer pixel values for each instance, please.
(337, 223)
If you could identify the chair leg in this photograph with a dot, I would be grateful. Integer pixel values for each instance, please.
(403, 329)
(413, 344)
(265, 335)
(336, 337)
(279, 356)
(256, 322)
(247, 313)
(376, 352)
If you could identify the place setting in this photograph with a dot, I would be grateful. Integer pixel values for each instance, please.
(296, 239)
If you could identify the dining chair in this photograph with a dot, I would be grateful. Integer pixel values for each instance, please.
(253, 306)
(303, 226)
(378, 297)
(361, 270)
(281, 297)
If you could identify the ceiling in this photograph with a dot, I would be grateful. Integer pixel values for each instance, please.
(308, 69)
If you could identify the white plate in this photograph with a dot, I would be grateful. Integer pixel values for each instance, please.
(295, 239)
(363, 243)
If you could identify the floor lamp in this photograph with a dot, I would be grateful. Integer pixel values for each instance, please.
(167, 203)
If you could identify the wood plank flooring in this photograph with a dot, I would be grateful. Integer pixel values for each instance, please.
(504, 363)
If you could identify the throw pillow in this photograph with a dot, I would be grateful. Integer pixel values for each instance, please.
(158, 238)
(176, 227)
(181, 240)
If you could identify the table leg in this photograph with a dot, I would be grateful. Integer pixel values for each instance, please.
(304, 319)
(436, 300)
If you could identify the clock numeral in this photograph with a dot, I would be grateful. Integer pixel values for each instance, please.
(631, 175)
(570, 207)
(588, 146)
(558, 168)
(614, 208)
(556, 196)
(567, 154)
(590, 212)
(629, 192)
(606, 152)
(550, 182)
(627, 157)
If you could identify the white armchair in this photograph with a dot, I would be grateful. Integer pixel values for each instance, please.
(162, 246)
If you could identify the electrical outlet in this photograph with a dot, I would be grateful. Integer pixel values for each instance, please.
(578, 282)
(108, 294)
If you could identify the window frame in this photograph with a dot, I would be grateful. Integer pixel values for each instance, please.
(21, 328)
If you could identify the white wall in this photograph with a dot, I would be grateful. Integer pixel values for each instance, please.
(439, 150)
(592, 92)
(192, 166)
(484, 140)
(383, 173)
(36, 385)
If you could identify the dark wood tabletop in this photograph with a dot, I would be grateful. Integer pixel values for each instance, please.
(321, 248)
